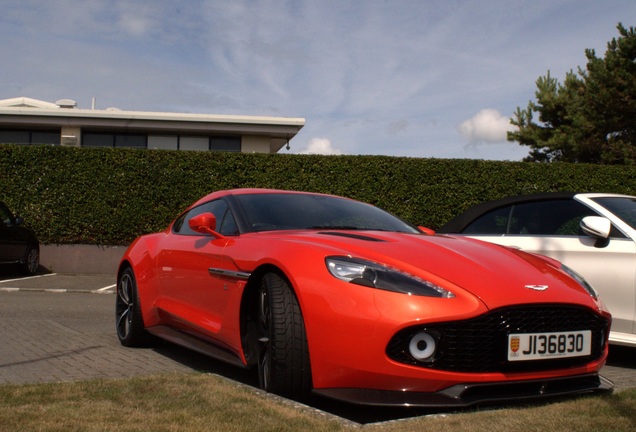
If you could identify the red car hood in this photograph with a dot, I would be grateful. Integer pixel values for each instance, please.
(497, 275)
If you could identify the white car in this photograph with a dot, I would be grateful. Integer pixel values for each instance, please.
(592, 233)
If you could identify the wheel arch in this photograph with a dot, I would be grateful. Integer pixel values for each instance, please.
(144, 280)
(125, 264)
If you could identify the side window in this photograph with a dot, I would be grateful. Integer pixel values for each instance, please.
(623, 207)
(493, 222)
(225, 222)
(5, 216)
(552, 217)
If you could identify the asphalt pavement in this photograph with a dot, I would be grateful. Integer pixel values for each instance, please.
(60, 327)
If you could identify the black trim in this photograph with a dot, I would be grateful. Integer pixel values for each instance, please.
(479, 345)
(229, 273)
(193, 343)
(463, 395)
(239, 215)
(353, 236)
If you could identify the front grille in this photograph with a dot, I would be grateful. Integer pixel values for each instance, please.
(480, 344)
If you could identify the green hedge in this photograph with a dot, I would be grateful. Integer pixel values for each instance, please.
(110, 196)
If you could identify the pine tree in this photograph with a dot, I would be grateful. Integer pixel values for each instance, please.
(591, 117)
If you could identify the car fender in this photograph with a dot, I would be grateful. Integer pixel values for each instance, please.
(141, 257)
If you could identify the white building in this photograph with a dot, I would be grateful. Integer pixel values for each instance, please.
(29, 121)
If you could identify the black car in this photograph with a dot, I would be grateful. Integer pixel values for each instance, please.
(18, 244)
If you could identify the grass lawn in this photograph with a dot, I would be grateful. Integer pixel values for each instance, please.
(204, 402)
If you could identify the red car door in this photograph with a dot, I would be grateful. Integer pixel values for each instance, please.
(194, 295)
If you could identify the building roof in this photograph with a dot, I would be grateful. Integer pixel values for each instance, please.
(23, 111)
(26, 102)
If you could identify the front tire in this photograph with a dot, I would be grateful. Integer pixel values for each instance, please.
(283, 354)
(128, 319)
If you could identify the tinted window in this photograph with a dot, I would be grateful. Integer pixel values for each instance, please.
(90, 139)
(98, 140)
(622, 207)
(266, 212)
(225, 222)
(494, 222)
(225, 144)
(45, 137)
(553, 217)
(130, 141)
(550, 217)
(6, 216)
(14, 137)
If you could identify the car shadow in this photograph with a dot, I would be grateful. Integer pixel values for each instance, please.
(13, 271)
(621, 356)
(205, 364)
(248, 377)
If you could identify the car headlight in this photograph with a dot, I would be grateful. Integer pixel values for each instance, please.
(581, 280)
(374, 275)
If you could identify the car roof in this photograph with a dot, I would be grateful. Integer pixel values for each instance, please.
(457, 224)
(245, 191)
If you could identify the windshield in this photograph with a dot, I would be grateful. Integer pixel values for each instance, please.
(623, 207)
(267, 212)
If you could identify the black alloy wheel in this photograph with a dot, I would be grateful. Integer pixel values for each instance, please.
(283, 354)
(32, 260)
(129, 322)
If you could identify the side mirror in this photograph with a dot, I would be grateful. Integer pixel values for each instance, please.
(596, 226)
(205, 223)
(425, 230)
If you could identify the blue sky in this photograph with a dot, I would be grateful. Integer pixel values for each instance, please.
(416, 78)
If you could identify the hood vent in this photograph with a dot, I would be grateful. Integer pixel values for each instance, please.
(353, 236)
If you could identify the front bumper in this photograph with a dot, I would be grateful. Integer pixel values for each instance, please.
(464, 395)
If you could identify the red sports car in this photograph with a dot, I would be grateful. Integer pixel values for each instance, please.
(329, 295)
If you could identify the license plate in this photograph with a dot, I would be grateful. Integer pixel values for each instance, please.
(541, 346)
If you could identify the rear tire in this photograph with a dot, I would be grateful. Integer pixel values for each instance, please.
(128, 319)
(283, 354)
(32, 260)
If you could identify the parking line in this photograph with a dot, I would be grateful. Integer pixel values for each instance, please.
(102, 290)
(29, 277)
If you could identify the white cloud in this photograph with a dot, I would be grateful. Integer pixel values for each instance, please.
(321, 146)
(487, 126)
